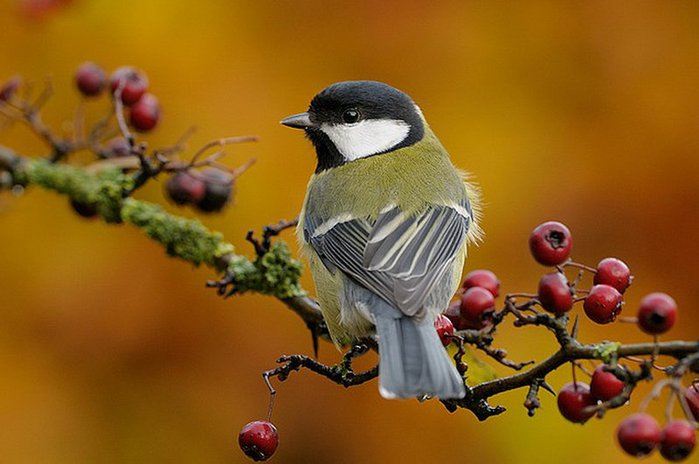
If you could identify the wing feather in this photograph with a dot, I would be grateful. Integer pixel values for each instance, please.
(399, 257)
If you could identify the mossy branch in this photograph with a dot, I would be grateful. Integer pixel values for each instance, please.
(187, 239)
(274, 273)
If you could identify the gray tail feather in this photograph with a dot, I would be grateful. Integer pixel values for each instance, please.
(413, 361)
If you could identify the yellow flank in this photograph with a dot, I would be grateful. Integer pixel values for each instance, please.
(328, 288)
(411, 178)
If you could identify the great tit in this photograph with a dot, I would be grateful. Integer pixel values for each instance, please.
(385, 225)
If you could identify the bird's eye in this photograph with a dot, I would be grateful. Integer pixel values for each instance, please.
(351, 116)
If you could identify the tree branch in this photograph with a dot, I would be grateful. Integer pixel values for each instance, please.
(275, 272)
(677, 349)
(341, 374)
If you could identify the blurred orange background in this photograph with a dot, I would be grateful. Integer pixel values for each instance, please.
(585, 112)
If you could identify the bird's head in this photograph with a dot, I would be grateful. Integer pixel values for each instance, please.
(355, 119)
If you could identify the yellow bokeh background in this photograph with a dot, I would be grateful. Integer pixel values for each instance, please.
(585, 112)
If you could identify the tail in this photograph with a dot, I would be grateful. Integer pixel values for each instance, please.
(413, 361)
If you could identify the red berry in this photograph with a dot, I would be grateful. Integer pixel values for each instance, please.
(639, 434)
(678, 440)
(444, 329)
(115, 148)
(145, 113)
(133, 83)
(453, 312)
(90, 79)
(554, 293)
(219, 190)
(692, 396)
(185, 187)
(613, 272)
(259, 440)
(476, 305)
(9, 88)
(550, 243)
(575, 402)
(604, 385)
(484, 279)
(603, 304)
(657, 313)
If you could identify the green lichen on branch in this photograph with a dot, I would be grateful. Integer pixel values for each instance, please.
(274, 273)
(605, 351)
(187, 239)
(103, 190)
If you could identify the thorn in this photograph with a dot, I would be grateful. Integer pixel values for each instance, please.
(574, 331)
(545, 385)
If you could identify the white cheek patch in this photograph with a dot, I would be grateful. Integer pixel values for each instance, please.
(367, 137)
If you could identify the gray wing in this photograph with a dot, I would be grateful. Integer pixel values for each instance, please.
(398, 257)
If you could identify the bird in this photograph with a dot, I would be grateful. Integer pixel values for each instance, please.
(385, 226)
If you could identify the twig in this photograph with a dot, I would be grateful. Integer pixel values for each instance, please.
(179, 145)
(461, 366)
(237, 172)
(677, 349)
(262, 246)
(580, 266)
(532, 402)
(44, 96)
(499, 355)
(340, 374)
(30, 114)
(119, 113)
(221, 142)
(582, 368)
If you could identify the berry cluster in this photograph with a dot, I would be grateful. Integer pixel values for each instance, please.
(202, 181)
(209, 189)
(578, 401)
(639, 434)
(551, 243)
(476, 305)
(127, 84)
(610, 385)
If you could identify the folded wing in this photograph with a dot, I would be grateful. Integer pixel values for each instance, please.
(400, 257)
